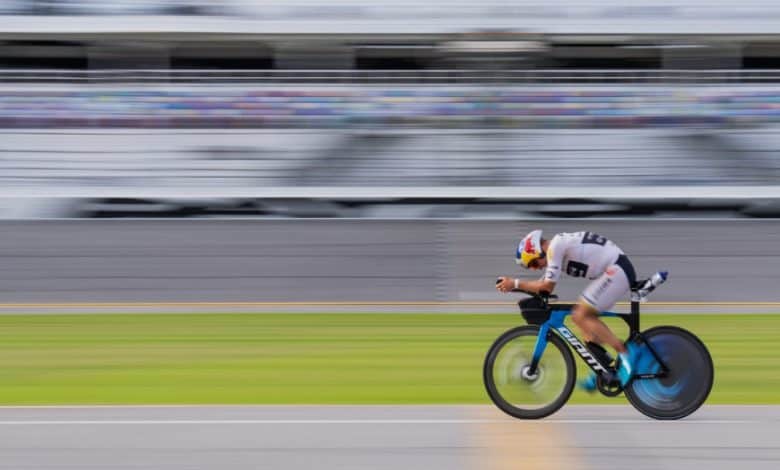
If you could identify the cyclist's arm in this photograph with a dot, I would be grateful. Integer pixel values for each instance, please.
(542, 285)
(507, 284)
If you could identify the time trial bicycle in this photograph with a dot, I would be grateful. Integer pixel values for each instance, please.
(529, 371)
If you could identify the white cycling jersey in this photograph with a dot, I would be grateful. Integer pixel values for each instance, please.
(580, 254)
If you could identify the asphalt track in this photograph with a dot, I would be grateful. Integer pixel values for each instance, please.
(383, 437)
(365, 265)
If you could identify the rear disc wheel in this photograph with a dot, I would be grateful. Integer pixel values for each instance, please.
(686, 385)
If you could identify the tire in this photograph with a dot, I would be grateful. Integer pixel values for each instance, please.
(689, 380)
(506, 386)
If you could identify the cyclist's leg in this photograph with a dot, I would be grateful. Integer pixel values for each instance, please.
(585, 316)
(601, 295)
(593, 329)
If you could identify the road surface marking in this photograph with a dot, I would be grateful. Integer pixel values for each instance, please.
(508, 422)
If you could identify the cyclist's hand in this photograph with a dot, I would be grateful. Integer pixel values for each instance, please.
(505, 284)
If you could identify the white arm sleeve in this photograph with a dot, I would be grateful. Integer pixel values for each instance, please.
(555, 253)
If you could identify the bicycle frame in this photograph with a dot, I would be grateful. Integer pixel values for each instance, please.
(555, 324)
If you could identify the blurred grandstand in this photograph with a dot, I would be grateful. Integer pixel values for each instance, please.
(307, 108)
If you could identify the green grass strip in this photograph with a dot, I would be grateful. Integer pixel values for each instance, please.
(315, 358)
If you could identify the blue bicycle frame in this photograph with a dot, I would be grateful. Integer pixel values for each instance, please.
(555, 323)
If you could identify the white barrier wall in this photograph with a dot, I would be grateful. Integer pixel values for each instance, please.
(342, 261)
(439, 163)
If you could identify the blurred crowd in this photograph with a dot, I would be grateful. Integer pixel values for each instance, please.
(117, 7)
(333, 107)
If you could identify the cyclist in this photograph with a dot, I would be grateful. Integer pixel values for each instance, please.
(589, 255)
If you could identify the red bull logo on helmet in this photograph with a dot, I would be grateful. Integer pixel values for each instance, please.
(529, 246)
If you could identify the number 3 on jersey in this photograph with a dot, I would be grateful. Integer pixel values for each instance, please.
(576, 269)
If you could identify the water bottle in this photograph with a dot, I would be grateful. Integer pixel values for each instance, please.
(649, 286)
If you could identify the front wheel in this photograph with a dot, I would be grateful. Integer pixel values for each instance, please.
(686, 385)
(511, 387)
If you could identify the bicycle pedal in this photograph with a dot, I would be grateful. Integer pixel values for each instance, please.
(609, 385)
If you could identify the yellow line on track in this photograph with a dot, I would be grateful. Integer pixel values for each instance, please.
(524, 445)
